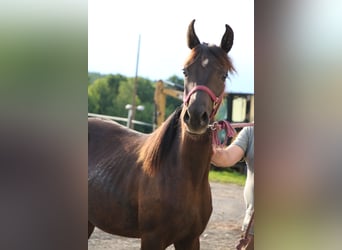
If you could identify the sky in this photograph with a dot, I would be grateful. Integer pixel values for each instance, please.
(114, 28)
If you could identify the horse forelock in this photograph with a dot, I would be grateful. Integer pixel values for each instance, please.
(208, 51)
(156, 148)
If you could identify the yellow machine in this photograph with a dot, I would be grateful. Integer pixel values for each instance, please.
(160, 99)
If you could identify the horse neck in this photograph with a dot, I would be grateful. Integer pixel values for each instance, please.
(196, 151)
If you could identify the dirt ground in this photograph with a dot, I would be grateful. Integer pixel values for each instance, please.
(222, 232)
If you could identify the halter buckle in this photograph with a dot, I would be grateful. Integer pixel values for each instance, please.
(213, 126)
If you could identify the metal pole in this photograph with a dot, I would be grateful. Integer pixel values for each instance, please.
(129, 118)
(135, 87)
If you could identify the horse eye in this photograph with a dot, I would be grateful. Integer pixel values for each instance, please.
(224, 77)
(185, 72)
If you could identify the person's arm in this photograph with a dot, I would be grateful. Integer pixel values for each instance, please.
(227, 157)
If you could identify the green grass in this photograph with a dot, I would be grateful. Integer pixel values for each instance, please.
(227, 177)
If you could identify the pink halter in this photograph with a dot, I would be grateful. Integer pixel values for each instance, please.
(216, 99)
(218, 125)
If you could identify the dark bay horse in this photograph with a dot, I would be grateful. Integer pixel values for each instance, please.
(155, 186)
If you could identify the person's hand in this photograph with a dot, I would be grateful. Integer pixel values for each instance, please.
(226, 157)
(214, 149)
(216, 154)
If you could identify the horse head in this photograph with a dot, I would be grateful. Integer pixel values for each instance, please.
(205, 72)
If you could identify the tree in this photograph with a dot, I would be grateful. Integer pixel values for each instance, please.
(93, 101)
(114, 82)
(100, 96)
(92, 76)
(109, 94)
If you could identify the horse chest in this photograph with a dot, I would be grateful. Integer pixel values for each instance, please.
(191, 217)
(188, 211)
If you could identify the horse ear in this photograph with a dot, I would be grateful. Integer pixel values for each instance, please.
(227, 39)
(193, 40)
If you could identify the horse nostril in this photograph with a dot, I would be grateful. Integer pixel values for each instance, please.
(186, 117)
(205, 118)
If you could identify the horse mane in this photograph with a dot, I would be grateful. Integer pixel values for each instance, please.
(210, 50)
(158, 144)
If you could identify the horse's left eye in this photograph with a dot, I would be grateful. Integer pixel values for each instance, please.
(185, 72)
(224, 77)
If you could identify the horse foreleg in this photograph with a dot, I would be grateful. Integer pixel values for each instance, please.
(90, 229)
(151, 241)
(188, 244)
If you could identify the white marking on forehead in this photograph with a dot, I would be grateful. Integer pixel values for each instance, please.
(205, 62)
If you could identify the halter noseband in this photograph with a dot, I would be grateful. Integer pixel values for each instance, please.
(216, 99)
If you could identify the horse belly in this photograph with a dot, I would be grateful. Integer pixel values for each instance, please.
(112, 206)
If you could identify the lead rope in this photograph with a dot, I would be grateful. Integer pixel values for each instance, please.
(222, 125)
(228, 128)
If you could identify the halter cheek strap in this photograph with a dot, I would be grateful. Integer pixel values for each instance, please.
(216, 99)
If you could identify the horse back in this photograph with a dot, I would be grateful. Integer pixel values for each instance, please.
(108, 139)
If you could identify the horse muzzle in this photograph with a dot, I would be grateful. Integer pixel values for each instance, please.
(197, 116)
(196, 120)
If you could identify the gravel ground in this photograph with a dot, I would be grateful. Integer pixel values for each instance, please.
(222, 232)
